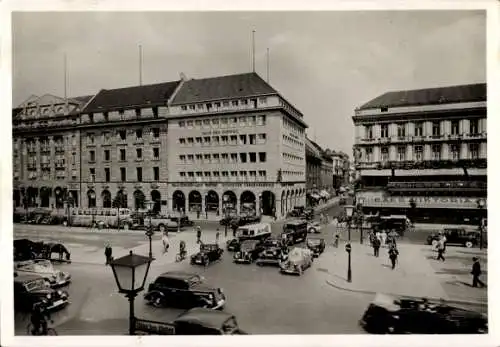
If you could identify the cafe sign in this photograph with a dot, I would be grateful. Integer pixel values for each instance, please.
(426, 202)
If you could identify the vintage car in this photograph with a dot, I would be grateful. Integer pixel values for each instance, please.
(30, 289)
(389, 315)
(457, 236)
(259, 231)
(233, 245)
(25, 249)
(200, 321)
(183, 289)
(44, 269)
(162, 223)
(297, 261)
(294, 231)
(185, 221)
(314, 227)
(316, 245)
(249, 251)
(208, 253)
(272, 253)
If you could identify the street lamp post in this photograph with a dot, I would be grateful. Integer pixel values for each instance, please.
(130, 274)
(349, 210)
(150, 232)
(480, 204)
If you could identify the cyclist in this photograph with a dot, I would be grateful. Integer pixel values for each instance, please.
(39, 317)
(182, 249)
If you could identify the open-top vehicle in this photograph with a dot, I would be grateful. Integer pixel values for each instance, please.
(389, 315)
(184, 289)
(44, 269)
(208, 253)
(297, 261)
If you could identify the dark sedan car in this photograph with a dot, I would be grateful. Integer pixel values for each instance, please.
(30, 289)
(316, 245)
(249, 251)
(273, 252)
(457, 236)
(208, 253)
(233, 245)
(200, 321)
(388, 315)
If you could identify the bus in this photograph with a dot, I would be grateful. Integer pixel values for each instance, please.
(259, 231)
(111, 217)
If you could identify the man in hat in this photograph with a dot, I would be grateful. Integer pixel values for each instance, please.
(476, 272)
(108, 253)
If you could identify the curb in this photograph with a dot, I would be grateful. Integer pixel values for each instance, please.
(367, 292)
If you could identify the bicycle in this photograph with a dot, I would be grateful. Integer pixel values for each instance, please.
(50, 331)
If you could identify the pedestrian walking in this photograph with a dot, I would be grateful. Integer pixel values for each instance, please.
(217, 234)
(393, 256)
(206, 213)
(383, 238)
(165, 242)
(476, 272)
(440, 249)
(198, 214)
(376, 246)
(108, 253)
(198, 234)
(336, 240)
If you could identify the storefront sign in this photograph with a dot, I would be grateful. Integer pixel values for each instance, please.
(429, 202)
(220, 132)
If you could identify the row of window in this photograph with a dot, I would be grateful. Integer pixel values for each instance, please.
(250, 157)
(437, 129)
(216, 174)
(291, 157)
(122, 135)
(292, 127)
(418, 153)
(123, 174)
(44, 143)
(251, 139)
(291, 140)
(121, 113)
(122, 153)
(223, 122)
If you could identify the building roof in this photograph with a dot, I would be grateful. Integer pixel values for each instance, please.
(429, 96)
(223, 87)
(312, 149)
(151, 94)
(83, 99)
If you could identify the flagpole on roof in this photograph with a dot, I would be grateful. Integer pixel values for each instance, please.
(267, 58)
(253, 50)
(140, 65)
(65, 84)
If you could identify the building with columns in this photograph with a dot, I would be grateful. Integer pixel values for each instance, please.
(428, 146)
(234, 144)
(46, 152)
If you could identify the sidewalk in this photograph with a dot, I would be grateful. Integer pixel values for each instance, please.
(414, 274)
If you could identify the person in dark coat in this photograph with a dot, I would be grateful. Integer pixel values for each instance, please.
(476, 272)
(198, 235)
(108, 253)
(393, 256)
(376, 246)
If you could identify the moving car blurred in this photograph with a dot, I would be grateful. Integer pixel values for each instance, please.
(297, 261)
(208, 253)
(30, 289)
(184, 289)
(457, 236)
(316, 245)
(389, 315)
(45, 270)
(249, 251)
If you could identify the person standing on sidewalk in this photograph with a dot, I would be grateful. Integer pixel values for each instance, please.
(383, 238)
(198, 234)
(165, 242)
(108, 253)
(217, 234)
(476, 272)
(393, 256)
(376, 246)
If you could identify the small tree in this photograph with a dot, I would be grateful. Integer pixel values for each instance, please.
(120, 201)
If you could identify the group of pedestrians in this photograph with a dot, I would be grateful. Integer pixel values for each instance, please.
(382, 239)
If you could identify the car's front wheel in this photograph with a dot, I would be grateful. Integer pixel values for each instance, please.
(469, 244)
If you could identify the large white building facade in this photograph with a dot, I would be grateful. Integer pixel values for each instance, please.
(427, 146)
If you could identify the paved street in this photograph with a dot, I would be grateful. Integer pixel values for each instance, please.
(264, 301)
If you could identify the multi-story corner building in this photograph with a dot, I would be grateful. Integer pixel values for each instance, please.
(313, 167)
(235, 143)
(426, 146)
(124, 146)
(45, 151)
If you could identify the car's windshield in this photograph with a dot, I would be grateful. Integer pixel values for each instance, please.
(35, 285)
(314, 241)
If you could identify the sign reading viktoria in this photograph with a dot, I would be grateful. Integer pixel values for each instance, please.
(423, 201)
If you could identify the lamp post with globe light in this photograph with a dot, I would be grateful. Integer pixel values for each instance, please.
(349, 209)
(360, 218)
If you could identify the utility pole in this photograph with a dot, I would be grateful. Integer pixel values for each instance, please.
(253, 50)
(140, 65)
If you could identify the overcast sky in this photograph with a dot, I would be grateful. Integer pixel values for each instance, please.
(324, 63)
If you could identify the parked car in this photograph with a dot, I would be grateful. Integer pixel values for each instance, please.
(201, 321)
(183, 289)
(316, 245)
(294, 231)
(185, 221)
(272, 253)
(297, 261)
(233, 245)
(30, 289)
(387, 314)
(44, 269)
(314, 227)
(457, 236)
(208, 253)
(249, 251)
